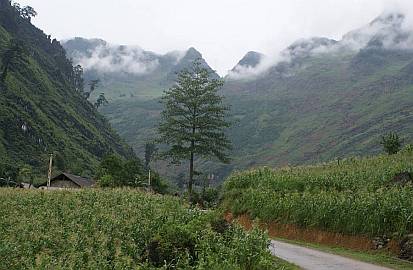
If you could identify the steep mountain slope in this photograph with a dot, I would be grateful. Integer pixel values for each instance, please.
(324, 99)
(40, 110)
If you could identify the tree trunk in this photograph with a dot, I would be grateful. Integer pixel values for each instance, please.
(191, 165)
(3, 75)
(191, 177)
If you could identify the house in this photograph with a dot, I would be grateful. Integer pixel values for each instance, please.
(67, 180)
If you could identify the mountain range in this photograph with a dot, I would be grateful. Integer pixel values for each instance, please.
(319, 99)
(128, 71)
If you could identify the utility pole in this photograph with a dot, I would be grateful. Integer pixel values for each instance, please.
(49, 175)
(149, 182)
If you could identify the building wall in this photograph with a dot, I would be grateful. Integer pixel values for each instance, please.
(63, 184)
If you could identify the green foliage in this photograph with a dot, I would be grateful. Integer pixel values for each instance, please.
(42, 108)
(356, 196)
(107, 180)
(26, 12)
(210, 197)
(391, 143)
(309, 110)
(114, 171)
(120, 229)
(194, 118)
(8, 170)
(408, 148)
(121, 172)
(26, 174)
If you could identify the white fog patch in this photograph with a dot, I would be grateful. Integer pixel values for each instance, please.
(393, 30)
(300, 48)
(112, 58)
(177, 55)
(247, 72)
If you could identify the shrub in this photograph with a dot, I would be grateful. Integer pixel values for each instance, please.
(391, 143)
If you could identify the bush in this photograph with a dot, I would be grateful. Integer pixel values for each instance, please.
(106, 181)
(391, 143)
(114, 171)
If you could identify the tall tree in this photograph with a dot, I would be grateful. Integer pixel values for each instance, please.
(193, 120)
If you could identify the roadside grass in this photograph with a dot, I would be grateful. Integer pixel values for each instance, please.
(374, 257)
(284, 265)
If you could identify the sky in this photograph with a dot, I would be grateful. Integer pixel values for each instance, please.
(222, 30)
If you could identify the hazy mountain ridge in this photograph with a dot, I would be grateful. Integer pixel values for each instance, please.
(129, 71)
(389, 31)
(320, 100)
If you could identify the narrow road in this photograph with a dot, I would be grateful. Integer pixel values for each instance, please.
(311, 259)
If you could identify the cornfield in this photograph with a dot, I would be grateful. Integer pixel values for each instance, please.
(355, 196)
(120, 229)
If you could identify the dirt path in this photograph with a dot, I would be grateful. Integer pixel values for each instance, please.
(311, 259)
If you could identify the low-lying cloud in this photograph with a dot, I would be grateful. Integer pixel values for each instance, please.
(112, 58)
(393, 30)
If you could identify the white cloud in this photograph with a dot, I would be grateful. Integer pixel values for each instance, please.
(110, 58)
(223, 30)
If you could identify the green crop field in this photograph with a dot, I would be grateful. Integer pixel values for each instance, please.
(121, 229)
(354, 196)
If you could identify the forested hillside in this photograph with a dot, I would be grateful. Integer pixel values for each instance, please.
(41, 110)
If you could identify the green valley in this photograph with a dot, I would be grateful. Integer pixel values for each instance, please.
(324, 99)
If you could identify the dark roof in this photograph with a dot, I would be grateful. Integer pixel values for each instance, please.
(80, 181)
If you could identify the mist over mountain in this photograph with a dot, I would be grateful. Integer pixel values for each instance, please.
(316, 100)
(389, 31)
(129, 71)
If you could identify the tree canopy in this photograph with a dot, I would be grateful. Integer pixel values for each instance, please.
(194, 119)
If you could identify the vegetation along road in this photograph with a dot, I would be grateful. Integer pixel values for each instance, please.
(313, 259)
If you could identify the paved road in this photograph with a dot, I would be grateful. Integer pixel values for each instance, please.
(311, 259)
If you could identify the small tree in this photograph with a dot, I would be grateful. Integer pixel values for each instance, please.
(101, 101)
(193, 119)
(391, 143)
(26, 174)
(114, 171)
(27, 13)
